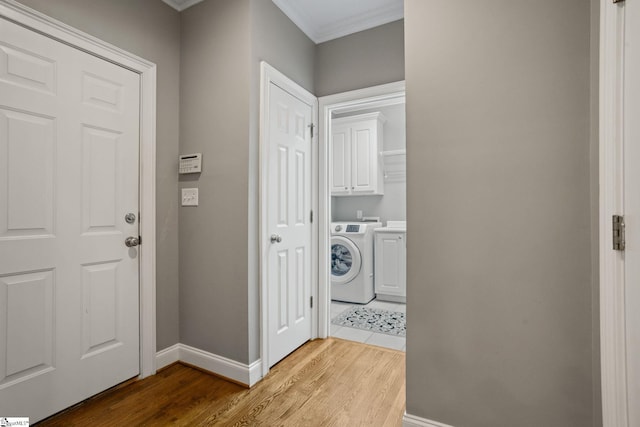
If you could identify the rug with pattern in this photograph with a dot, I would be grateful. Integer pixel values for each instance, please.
(374, 320)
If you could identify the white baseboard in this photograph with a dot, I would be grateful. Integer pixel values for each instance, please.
(236, 371)
(413, 421)
(167, 356)
(255, 372)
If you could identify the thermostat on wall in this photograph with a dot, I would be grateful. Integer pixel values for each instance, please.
(190, 163)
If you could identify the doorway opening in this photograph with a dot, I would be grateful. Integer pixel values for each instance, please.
(362, 216)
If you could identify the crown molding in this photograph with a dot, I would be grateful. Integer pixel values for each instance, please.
(301, 19)
(181, 5)
(361, 22)
(349, 25)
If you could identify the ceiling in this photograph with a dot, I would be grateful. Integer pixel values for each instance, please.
(323, 20)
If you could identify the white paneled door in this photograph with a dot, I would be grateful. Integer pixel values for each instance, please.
(632, 204)
(69, 143)
(288, 223)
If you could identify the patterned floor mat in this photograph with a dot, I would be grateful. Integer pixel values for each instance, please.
(374, 320)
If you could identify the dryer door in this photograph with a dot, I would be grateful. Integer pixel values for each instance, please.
(345, 260)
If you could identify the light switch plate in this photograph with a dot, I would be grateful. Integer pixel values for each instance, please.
(189, 197)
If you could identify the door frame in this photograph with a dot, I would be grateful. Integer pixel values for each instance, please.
(611, 184)
(43, 24)
(269, 75)
(371, 97)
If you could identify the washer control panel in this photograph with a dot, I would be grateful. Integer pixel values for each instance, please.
(349, 228)
(354, 228)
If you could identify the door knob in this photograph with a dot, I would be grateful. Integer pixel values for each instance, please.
(131, 241)
(275, 238)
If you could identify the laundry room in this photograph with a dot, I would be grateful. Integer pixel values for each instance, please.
(368, 223)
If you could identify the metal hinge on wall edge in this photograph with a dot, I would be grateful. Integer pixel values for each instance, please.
(311, 302)
(311, 217)
(618, 232)
(312, 126)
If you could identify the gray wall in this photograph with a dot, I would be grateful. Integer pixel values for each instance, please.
(223, 42)
(214, 106)
(368, 58)
(499, 261)
(393, 204)
(151, 30)
(276, 40)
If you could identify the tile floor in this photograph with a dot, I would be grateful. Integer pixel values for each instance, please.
(373, 338)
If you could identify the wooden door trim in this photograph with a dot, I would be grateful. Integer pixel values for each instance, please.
(269, 75)
(29, 18)
(612, 299)
(372, 97)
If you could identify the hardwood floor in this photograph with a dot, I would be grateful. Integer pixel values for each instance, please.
(324, 383)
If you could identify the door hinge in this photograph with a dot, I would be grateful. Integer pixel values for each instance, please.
(312, 126)
(311, 303)
(618, 233)
(311, 217)
(139, 240)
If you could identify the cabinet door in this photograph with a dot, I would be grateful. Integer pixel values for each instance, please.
(364, 161)
(341, 161)
(390, 261)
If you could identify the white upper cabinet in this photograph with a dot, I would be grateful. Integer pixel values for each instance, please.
(355, 161)
(340, 160)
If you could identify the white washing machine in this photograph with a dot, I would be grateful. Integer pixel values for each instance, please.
(352, 261)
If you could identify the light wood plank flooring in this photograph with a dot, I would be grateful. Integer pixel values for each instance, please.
(328, 382)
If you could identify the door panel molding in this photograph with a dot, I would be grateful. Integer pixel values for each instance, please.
(22, 15)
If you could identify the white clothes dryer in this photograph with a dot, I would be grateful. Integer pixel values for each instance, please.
(352, 261)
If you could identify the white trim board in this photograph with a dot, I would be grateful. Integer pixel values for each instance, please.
(167, 356)
(612, 298)
(413, 421)
(29, 18)
(372, 97)
(217, 365)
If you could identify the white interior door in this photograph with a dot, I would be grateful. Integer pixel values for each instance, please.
(69, 143)
(632, 204)
(288, 223)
